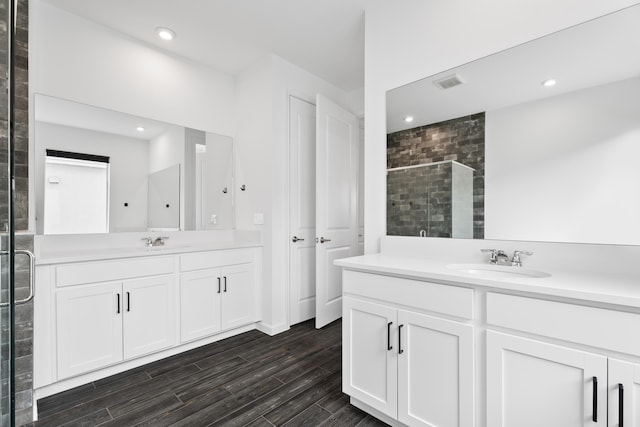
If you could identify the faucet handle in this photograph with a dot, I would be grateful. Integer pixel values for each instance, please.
(493, 258)
(516, 261)
(147, 240)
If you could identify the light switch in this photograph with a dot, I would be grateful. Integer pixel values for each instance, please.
(258, 218)
(213, 219)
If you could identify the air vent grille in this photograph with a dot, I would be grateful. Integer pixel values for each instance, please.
(449, 81)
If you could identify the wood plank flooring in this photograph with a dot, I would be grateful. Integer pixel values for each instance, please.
(291, 379)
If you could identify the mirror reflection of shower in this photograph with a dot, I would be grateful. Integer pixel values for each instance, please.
(430, 200)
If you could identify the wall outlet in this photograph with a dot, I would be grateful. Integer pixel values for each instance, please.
(213, 219)
(258, 218)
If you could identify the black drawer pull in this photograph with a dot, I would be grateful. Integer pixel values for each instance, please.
(389, 346)
(225, 283)
(128, 301)
(400, 350)
(118, 301)
(620, 405)
(594, 416)
(218, 285)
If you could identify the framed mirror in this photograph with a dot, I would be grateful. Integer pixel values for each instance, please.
(149, 175)
(550, 130)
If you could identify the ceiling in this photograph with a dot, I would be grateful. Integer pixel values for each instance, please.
(325, 37)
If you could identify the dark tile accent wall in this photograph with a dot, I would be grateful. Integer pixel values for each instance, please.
(23, 326)
(460, 139)
(419, 199)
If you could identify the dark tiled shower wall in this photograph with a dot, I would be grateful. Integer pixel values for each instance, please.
(23, 327)
(420, 199)
(460, 139)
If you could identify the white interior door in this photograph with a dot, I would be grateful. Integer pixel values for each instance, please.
(302, 210)
(336, 203)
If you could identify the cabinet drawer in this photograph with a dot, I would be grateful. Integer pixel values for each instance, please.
(105, 271)
(204, 260)
(445, 299)
(598, 327)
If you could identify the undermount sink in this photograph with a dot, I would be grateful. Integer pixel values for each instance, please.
(498, 271)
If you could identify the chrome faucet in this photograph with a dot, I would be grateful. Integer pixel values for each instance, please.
(149, 241)
(159, 241)
(497, 256)
(516, 261)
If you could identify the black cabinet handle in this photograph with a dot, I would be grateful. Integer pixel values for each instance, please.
(594, 416)
(128, 301)
(118, 301)
(620, 405)
(400, 350)
(389, 346)
(218, 285)
(225, 283)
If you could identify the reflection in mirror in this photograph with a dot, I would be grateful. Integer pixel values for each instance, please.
(164, 199)
(137, 148)
(76, 193)
(560, 160)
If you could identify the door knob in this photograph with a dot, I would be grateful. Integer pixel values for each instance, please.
(296, 239)
(322, 240)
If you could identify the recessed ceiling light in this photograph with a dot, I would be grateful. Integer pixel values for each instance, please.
(408, 119)
(140, 129)
(165, 33)
(548, 82)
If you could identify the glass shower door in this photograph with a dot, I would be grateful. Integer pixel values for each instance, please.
(7, 246)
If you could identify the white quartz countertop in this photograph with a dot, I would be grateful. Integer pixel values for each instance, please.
(80, 254)
(607, 288)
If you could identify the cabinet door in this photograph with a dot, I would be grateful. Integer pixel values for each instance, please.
(149, 315)
(200, 293)
(435, 371)
(369, 354)
(624, 381)
(532, 384)
(88, 327)
(237, 303)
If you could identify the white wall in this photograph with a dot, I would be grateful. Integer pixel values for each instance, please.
(418, 38)
(565, 168)
(262, 145)
(129, 169)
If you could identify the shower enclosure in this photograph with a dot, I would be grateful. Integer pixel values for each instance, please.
(13, 121)
(430, 200)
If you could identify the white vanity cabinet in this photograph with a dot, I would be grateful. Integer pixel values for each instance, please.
(414, 367)
(88, 328)
(423, 346)
(531, 383)
(213, 300)
(100, 317)
(216, 293)
(624, 393)
(571, 386)
(99, 324)
(102, 324)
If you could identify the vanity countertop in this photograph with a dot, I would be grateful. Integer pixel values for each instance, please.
(68, 255)
(597, 288)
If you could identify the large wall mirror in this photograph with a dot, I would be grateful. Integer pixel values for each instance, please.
(540, 142)
(103, 171)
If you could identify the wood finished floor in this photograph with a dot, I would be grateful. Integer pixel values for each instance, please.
(252, 379)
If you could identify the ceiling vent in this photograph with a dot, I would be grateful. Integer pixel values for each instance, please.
(449, 81)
